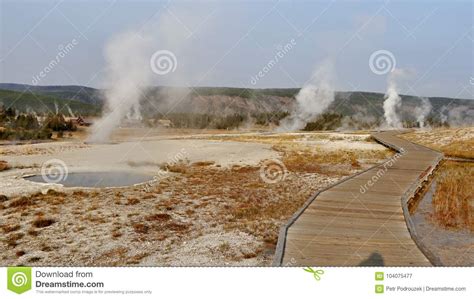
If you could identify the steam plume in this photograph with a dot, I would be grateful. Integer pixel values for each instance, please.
(131, 59)
(313, 99)
(393, 101)
(461, 116)
(70, 111)
(421, 112)
(443, 115)
(127, 76)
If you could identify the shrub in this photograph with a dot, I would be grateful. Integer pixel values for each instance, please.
(56, 122)
(21, 134)
(325, 121)
(26, 121)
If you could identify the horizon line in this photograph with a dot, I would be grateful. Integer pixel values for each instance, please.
(249, 88)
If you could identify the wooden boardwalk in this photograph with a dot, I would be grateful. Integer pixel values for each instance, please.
(362, 220)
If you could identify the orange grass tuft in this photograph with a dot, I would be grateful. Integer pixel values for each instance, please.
(453, 202)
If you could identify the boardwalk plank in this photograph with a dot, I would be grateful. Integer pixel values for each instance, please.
(344, 226)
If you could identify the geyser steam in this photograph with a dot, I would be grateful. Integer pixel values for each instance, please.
(421, 112)
(393, 101)
(127, 77)
(132, 66)
(313, 98)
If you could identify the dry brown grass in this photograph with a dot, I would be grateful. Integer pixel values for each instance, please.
(12, 239)
(178, 167)
(97, 219)
(461, 149)
(158, 217)
(453, 142)
(4, 165)
(268, 139)
(22, 202)
(310, 160)
(10, 228)
(33, 233)
(203, 163)
(119, 252)
(304, 156)
(133, 201)
(116, 233)
(200, 199)
(239, 198)
(25, 202)
(41, 222)
(453, 201)
(177, 227)
(80, 193)
(251, 205)
(140, 228)
(52, 192)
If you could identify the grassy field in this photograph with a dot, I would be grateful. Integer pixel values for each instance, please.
(302, 152)
(453, 201)
(453, 142)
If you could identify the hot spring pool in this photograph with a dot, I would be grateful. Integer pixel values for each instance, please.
(94, 179)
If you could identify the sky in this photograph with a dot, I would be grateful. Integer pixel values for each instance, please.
(253, 44)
